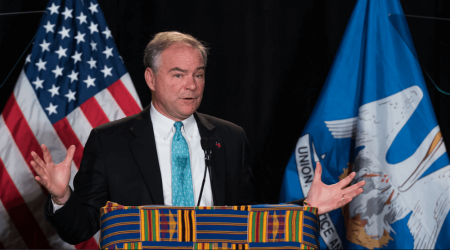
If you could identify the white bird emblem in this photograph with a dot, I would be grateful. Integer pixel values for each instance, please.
(392, 191)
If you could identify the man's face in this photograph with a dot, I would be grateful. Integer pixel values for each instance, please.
(178, 85)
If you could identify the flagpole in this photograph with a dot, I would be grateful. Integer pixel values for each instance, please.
(23, 12)
(34, 37)
(429, 17)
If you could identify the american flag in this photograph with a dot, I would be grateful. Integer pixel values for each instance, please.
(73, 80)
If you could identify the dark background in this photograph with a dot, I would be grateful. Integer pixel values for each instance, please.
(268, 60)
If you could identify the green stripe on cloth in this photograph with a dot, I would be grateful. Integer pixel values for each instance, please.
(291, 225)
(145, 234)
(254, 227)
(153, 221)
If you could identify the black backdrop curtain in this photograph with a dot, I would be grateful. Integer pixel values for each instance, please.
(268, 60)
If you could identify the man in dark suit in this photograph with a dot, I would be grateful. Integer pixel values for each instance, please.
(137, 160)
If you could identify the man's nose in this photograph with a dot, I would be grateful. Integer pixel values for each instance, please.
(191, 84)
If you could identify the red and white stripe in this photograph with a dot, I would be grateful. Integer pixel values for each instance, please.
(8, 232)
(23, 127)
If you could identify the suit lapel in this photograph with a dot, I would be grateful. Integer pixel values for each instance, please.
(143, 148)
(218, 167)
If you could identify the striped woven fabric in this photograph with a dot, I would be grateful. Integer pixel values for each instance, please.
(235, 227)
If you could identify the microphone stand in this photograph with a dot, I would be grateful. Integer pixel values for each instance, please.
(207, 147)
(207, 158)
(211, 144)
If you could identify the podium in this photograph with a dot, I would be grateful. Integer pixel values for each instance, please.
(283, 226)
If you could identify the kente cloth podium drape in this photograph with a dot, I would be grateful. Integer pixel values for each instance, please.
(283, 226)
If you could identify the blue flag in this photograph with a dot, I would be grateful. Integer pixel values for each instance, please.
(374, 117)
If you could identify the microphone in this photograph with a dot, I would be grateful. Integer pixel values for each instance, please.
(204, 143)
(205, 146)
(212, 144)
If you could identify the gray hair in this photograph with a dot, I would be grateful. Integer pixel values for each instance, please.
(162, 41)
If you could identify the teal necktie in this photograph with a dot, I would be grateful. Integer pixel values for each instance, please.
(182, 192)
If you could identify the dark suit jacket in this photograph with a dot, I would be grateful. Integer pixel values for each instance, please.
(120, 164)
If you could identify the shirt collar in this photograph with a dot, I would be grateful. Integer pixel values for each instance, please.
(163, 125)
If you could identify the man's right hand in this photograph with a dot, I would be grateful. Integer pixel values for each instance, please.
(55, 178)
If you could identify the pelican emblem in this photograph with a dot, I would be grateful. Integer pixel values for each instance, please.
(392, 191)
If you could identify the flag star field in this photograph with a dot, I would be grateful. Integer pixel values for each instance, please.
(66, 68)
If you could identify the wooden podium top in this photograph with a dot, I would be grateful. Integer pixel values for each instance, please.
(283, 226)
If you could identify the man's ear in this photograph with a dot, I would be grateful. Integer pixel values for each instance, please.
(150, 78)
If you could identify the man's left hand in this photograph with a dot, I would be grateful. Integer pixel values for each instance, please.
(330, 197)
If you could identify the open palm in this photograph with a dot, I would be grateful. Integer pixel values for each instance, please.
(54, 177)
(329, 197)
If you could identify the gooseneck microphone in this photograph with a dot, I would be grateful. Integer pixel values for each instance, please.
(208, 154)
(212, 144)
(208, 146)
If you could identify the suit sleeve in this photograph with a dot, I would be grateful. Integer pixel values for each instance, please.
(246, 190)
(79, 218)
(297, 202)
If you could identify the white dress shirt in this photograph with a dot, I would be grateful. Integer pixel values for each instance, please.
(163, 129)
